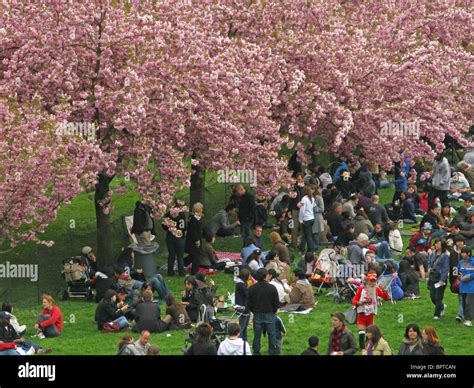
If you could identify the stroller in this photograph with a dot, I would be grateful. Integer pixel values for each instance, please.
(219, 327)
(76, 274)
(331, 272)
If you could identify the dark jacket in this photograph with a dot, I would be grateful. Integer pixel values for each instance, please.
(142, 220)
(102, 285)
(179, 314)
(202, 349)
(241, 294)
(194, 235)
(147, 317)
(195, 300)
(8, 333)
(432, 349)
(263, 298)
(106, 310)
(293, 202)
(348, 343)
(405, 349)
(335, 222)
(310, 352)
(247, 208)
(180, 224)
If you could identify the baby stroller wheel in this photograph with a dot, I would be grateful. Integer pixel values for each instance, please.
(90, 295)
(337, 299)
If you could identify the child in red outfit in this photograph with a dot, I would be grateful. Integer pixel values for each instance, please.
(366, 301)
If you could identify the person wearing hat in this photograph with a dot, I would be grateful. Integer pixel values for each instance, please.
(454, 253)
(466, 284)
(421, 244)
(12, 344)
(302, 291)
(345, 185)
(90, 260)
(366, 302)
(341, 340)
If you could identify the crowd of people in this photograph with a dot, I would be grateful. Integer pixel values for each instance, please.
(339, 211)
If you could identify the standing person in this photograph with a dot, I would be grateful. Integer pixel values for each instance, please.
(466, 285)
(431, 342)
(366, 301)
(376, 345)
(174, 223)
(412, 344)
(454, 257)
(295, 198)
(440, 181)
(341, 340)
(233, 345)
(438, 269)
(202, 345)
(306, 217)
(241, 300)
(263, 303)
(335, 220)
(50, 322)
(247, 207)
(143, 224)
(319, 224)
(193, 237)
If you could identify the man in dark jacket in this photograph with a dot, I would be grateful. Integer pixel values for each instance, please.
(312, 350)
(263, 302)
(341, 341)
(247, 208)
(335, 220)
(295, 198)
(147, 315)
(143, 224)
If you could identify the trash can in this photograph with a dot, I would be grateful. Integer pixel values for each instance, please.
(145, 258)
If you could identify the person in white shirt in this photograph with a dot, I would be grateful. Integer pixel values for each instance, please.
(306, 217)
(282, 287)
(233, 345)
(459, 186)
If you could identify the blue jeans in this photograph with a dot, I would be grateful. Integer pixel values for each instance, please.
(137, 284)
(243, 323)
(28, 344)
(264, 321)
(9, 352)
(438, 233)
(245, 229)
(383, 250)
(175, 247)
(158, 284)
(308, 234)
(461, 309)
(122, 321)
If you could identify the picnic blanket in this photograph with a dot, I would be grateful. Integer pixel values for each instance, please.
(228, 256)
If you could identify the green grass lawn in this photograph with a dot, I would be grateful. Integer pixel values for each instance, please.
(80, 334)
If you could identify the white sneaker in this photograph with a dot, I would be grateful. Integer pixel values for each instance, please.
(468, 323)
(41, 335)
(444, 310)
(435, 318)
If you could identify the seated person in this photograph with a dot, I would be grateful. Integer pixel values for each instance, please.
(192, 297)
(282, 287)
(408, 208)
(208, 258)
(254, 261)
(50, 322)
(126, 260)
(279, 246)
(91, 261)
(417, 260)
(11, 343)
(107, 311)
(308, 263)
(126, 346)
(176, 315)
(396, 284)
(257, 235)
(249, 248)
(302, 291)
(147, 315)
(105, 281)
(282, 268)
(347, 235)
(459, 187)
(208, 293)
(410, 280)
(20, 329)
(220, 225)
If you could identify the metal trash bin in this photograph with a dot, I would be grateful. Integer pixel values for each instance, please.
(145, 258)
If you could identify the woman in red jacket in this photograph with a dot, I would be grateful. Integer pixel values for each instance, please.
(366, 301)
(50, 322)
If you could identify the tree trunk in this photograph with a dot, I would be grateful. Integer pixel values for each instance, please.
(104, 223)
(198, 185)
